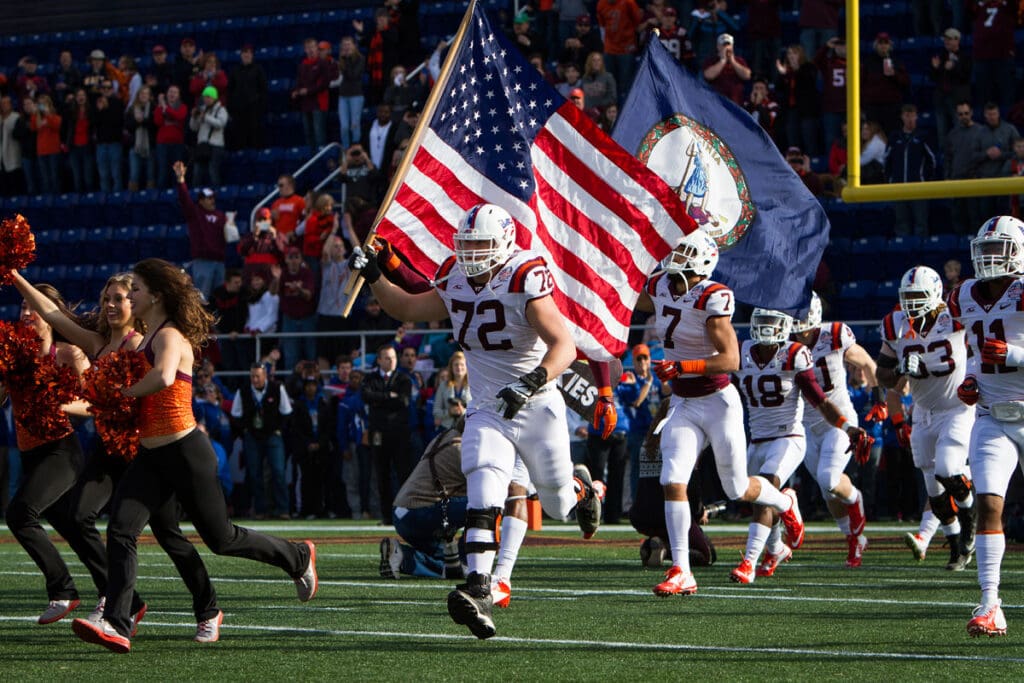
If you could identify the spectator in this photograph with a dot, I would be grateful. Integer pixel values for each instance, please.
(953, 271)
(260, 411)
(387, 394)
(351, 67)
(799, 100)
(208, 121)
(1013, 167)
(170, 118)
(46, 125)
(12, 178)
(831, 62)
(403, 16)
(78, 135)
(30, 83)
(546, 18)
(606, 121)
(676, 39)
(726, 72)
(206, 406)
(27, 139)
(141, 128)
(619, 20)
(885, 84)
(819, 22)
(375, 320)
(263, 308)
(298, 308)
(401, 94)
(801, 165)
(380, 136)
(571, 73)
(523, 37)
(160, 75)
(421, 420)
(382, 50)
(452, 394)
(228, 304)
(109, 127)
(641, 394)
(288, 208)
(210, 74)
(312, 434)
(707, 23)
(353, 443)
(951, 73)
(311, 80)
(909, 159)
(584, 41)
(320, 224)
(994, 23)
(764, 34)
(997, 138)
(872, 155)
(186, 67)
(332, 300)
(963, 156)
(761, 106)
(323, 51)
(247, 102)
(837, 155)
(599, 86)
(264, 246)
(66, 79)
(101, 71)
(927, 16)
(205, 234)
(126, 64)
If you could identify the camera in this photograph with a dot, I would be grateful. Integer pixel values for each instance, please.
(715, 509)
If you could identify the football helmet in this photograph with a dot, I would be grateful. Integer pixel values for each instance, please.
(696, 253)
(920, 291)
(813, 318)
(485, 238)
(998, 250)
(769, 327)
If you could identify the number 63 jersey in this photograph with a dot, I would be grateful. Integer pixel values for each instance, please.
(490, 322)
(943, 357)
(1002, 319)
(774, 404)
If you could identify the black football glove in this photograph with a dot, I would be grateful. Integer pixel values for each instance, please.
(513, 396)
(365, 263)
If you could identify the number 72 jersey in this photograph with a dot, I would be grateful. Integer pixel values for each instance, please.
(1002, 319)
(943, 357)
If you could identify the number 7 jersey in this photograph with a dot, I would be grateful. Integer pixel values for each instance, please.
(490, 321)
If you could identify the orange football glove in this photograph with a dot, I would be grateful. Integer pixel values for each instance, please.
(860, 444)
(606, 416)
(968, 391)
(903, 430)
(993, 352)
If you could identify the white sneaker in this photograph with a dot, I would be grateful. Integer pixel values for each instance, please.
(97, 613)
(57, 610)
(390, 558)
(501, 591)
(677, 582)
(988, 620)
(208, 631)
(916, 544)
(101, 633)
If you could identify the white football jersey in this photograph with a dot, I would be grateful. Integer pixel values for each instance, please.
(1002, 319)
(775, 406)
(490, 320)
(943, 357)
(828, 353)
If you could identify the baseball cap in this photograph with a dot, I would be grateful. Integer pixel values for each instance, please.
(576, 92)
(188, 41)
(641, 350)
(158, 49)
(248, 48)
(292, 250)
(522, 18)
(29, 59)
(794, 151)
(97, 54)
(951, 33)
(207, 192)
(263, 213)
(583, 20)
(725, 39)
(669, 12)
(323, 45)
(210, 91)
(882, 37)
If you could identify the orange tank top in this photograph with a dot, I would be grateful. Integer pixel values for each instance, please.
(169, 410)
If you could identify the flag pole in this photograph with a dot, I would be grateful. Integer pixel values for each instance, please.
(355, 280)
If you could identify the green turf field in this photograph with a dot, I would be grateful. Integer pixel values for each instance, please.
(580, 611)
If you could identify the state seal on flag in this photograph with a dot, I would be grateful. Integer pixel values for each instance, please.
(701, 168)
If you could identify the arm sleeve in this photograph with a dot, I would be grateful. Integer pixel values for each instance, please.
(809, 388)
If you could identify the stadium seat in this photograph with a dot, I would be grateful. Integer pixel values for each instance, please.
(69, 245)
(77, 282)
(51, 274)
(855, 299)
(151, 241)
(47, 242)
(96, 244)
(176, 243)
(123, 245)
(10, 312)
(871, 246)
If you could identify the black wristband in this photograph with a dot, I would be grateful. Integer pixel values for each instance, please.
(877, 394)
(536, 378)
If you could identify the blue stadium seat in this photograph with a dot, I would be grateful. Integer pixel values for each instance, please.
(10, 312)
(116, 211)
(868, 245)
(124, 246)
(90, 209)
(47, 242)
(151, 241)
(176, 243)
(52, 274)
(901, 254)
(96, 244)
(77, 283)
(855, 299)
(70, 244)
(31, 273)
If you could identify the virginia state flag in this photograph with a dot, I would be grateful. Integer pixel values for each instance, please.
(770, 229)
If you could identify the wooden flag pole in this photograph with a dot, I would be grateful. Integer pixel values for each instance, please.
(355, 280)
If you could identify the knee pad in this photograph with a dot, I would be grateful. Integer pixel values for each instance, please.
(943, 507)
(486, 519)
(958, 485)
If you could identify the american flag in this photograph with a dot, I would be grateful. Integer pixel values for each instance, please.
(498, 132)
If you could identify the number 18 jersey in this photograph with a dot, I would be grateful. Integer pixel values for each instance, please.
(490, 320)
(775, 407)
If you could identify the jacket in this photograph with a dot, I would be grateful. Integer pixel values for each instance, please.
(205, 228)
(209, 124)
(908, 158)
(387, 412)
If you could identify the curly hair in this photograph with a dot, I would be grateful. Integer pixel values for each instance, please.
(182, 301)
(100, 324)
(54, 295)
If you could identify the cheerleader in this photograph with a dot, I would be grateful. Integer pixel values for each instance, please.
(175, 459)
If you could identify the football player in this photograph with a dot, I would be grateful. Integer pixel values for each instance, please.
(693, 317)
(990, 307)
(922, 341)
(775, 378)
(833, 345)
(516, 344)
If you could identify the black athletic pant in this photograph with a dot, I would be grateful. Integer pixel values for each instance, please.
(49, 473)
(187, 469)
(391, 451)
(94, 489)
(606, 460)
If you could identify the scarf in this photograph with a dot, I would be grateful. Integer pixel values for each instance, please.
(141, 146)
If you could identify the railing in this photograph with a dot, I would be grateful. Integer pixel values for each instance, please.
(272, 195)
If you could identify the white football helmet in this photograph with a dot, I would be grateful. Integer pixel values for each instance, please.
(998, 250)
(769, 327)
(696, 253)
(920, 291)
(813, 318)
(484, 223)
